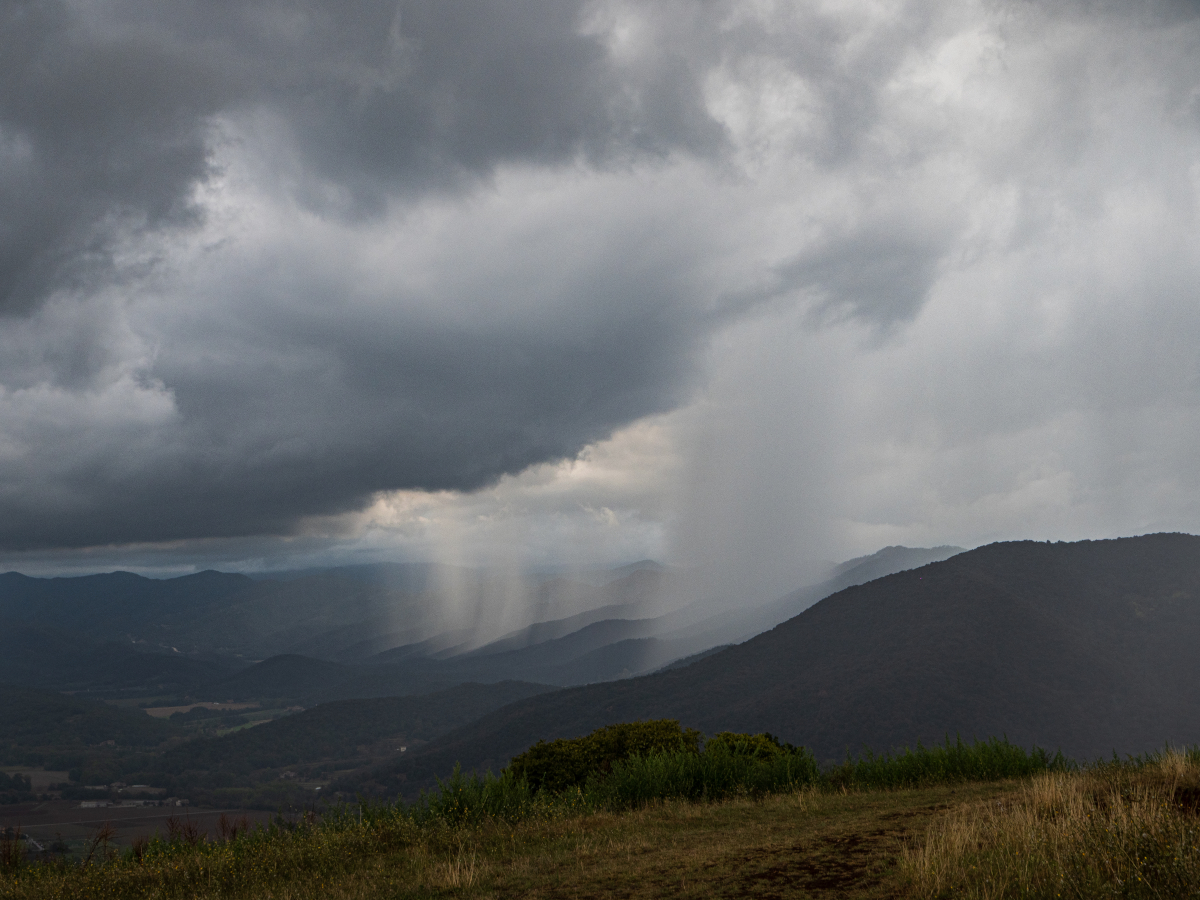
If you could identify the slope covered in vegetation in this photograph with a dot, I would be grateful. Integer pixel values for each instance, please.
(907, 825)
(1088, 647)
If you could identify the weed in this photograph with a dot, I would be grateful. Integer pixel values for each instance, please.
(12, 849)
(99, 850)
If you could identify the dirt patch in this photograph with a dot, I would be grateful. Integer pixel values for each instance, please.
(844, 865)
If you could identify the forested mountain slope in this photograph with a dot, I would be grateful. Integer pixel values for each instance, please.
(1089, 647)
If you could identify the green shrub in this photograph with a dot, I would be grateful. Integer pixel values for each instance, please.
(566, 763)
(759, 746)
(463, 800)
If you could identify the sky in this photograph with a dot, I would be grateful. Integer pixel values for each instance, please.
(745, 286)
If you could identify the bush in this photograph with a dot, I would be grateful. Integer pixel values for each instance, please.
(758, 746)
(15, 788)
(568, 763)
(746, 765)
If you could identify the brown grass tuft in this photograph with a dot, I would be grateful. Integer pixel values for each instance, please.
(1113, 830)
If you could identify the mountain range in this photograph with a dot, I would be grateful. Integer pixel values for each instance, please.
(370, 631)
(1086, 647)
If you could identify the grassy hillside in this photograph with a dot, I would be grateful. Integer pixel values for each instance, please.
(1088, 647)
(1117, 830)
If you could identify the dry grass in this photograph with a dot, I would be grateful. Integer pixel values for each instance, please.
(1128, 831)
(798, 844)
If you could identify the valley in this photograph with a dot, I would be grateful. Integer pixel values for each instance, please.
(1078, 647)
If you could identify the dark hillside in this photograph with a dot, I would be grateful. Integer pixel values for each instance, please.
(31, 718)
(1087, 647)
(736, 625)
(287, 675)
(308, 681)
(345, 729)
(42, 656)
(113, 605)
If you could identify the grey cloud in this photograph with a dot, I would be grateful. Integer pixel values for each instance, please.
(282, 409)
(106, 111)
(94, 137)
(213, 420)
(880, 276)
(157, 390)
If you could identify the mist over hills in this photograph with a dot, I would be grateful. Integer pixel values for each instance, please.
(370, 631)
(1087, 647)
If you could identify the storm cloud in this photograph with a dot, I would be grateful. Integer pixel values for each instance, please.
(263, 263)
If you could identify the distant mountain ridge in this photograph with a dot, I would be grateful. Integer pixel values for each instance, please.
(1089, 647)
(368, 631)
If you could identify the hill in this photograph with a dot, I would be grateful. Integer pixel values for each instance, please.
(369, 631)
(620, 641)
(1088, 647)
(345, 731)
(343, 615)
(304, 680)
(32, 719)
(271, 766)
(737, 625)
(43, 656)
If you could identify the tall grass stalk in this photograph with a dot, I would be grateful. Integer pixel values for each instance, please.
(713, 775)
(991, 760)
(1115, 830)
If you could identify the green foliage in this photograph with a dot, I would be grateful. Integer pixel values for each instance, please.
(759, 746)
(15, 788)
(715, 774)
(32, 719)
(991, 760)
(568, 763)
(280, 858)
(15, 782)
(463, 800)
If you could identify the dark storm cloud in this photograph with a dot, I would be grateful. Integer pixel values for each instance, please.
(106, 109)
(278, 398)
(260, 260)
(94, 136)
(110, 117)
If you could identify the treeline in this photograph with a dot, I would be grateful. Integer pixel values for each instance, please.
(15, 788)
